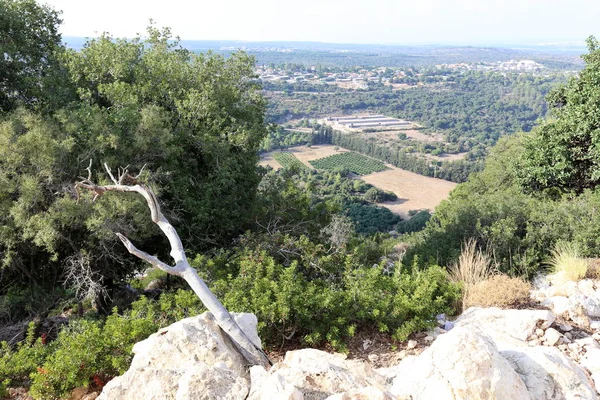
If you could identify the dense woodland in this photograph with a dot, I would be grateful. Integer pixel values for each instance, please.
(305, 251)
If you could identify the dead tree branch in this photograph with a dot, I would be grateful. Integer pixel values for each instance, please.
(124, 182)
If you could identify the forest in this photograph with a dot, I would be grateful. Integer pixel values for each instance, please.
(306, 251)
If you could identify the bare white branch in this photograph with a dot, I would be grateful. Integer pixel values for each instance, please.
(253, 354)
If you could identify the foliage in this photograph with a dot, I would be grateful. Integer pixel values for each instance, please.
(288, 160)
(327, 297)
(90, 351)
(196, 121)
(29, 44)
(567, 263)
(353, 162)
(376, 195)
(369, 219)
(416, 223)
(563, 153)
(499, 291)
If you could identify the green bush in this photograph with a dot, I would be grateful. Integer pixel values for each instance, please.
(331, 308)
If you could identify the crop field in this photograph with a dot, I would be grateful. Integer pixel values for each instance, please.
(354, 162)
(287, 160)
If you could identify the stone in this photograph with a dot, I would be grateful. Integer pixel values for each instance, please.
(178, 360)
(539, 332)
(495, 322)
(366, 344)
(429, 338)
(448, 325)
(462, 364)
(591, 362)
(265, 386)
(373, 357)
(559, 304)
(552, 336)
(549, 374)
(565, 327)
(366, 393)
(318, 374)
(595, 325)
(411, 344)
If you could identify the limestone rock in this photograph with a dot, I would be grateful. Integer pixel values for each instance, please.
(366, 393)
(495, 322)
(552, 336)
(271, 387)
(318, 374)
(189, 359)
(549, 374)
(462, 364)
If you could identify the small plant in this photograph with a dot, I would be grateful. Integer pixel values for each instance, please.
(499, 291)
(473, 266)
(567, 264)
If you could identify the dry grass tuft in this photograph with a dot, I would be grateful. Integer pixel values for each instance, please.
(473, 266)
(499, 291)
(567, 264)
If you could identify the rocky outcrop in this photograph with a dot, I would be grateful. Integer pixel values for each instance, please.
(487, 353)
(191, 359)
(462, 364)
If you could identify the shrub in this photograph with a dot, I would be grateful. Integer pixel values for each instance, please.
(415, 224)
(499, 291)
(330, 308)
(473, 266)
(567, 264)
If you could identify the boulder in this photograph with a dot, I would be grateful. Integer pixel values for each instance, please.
(462, 364)
(497, 323)
(591, 362)
(190, 359)
(265, 386)
(318, 374)
(366, 393)
(549, 374)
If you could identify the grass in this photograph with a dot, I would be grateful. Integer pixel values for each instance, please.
(567, 263)
(472, 267)
(499, 291)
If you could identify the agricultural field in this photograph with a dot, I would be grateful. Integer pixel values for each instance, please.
(414, 191)
(302, 153)
(288, 160)
(354, 162)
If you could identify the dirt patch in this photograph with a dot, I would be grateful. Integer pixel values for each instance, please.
(414, 191)
(268, 160)
(447, 157)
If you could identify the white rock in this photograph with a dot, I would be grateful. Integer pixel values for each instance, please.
(188, 354)
(411, 344)
(549, 374)
(539, 332)
(462, 364)
(588, 342)
(265, 386)
(552, 336)
(591, 305)
(495, 322)
(366, 393)
(373, 357)
(559, 304)
(591, 362)
(313, 371)
(587, 288)
(595, 325)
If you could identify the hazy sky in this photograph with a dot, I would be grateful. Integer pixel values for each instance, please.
(341, 21)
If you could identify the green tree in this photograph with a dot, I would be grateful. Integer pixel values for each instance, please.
(195, 121)
(29, 42)
(563, 154)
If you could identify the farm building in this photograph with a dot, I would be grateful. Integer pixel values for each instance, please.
(368, 121)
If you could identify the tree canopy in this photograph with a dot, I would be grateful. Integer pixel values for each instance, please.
(195, 121)
(29, 41)
(564, 152)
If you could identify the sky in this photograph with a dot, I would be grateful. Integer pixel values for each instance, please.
(473, 22)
